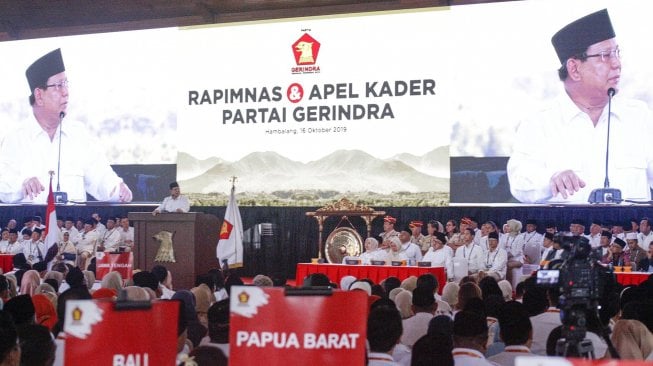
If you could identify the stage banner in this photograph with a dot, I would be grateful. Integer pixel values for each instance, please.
(89, 324)
(122, 263)
(268, 326)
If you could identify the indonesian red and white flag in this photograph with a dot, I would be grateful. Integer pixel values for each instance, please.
(230, 245)
(52, 231)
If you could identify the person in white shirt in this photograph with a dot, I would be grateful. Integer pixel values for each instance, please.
(99, 226)
(516, 332)
(126, 234)
(86, 244)
(13, 246)
(472, 253)
(176, 202)
(470, 335)
(438, 254)
(590, 70)
(532, 242)
(411, 250)
(645, 236)
(384, 330)
(496, 259)
(69, 226)
(34, 249)
(514, 247)
(371, 252)
(394, 254)
(110, 240)
(424, 307)
(5, 237)
(604, 242)
(548, 252)
(595, 234)
(544, 322)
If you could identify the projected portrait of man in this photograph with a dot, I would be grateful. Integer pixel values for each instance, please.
(560, 153)
(30, 152)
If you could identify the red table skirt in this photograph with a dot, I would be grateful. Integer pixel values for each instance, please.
(631, 278)
(6, 262)
(375, 273)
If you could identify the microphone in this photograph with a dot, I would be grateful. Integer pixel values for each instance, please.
(606, 194)
(59, 196)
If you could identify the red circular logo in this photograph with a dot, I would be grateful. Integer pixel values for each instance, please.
(295, 92)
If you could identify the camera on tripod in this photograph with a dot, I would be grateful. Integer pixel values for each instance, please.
(581, 282)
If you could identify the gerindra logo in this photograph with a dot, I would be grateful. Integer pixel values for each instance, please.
(306, 50)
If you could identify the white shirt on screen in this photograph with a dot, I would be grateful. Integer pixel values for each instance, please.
(28, 152)
(563, 137)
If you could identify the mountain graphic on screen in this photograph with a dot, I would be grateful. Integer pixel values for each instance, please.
(342, 170)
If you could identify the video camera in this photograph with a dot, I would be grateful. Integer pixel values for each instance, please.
(581, 280)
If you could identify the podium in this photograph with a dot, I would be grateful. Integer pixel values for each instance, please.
(195, 237)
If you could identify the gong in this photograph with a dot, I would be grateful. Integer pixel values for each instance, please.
(343, 242)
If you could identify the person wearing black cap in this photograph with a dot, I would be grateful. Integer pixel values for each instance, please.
(496, 259)
(604, 243)
(470, 334)
(616, 255)
(34, 249)
(439, 255)
(83, 165)
(576, 123)
(175, 202)
(13, 246)
(577, 227)
(412, 250)
(548, 252)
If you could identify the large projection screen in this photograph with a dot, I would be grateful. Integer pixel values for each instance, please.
(410, 108)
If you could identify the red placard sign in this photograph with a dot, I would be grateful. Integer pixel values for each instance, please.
(119, 262)
(98, 334)
(268, 327)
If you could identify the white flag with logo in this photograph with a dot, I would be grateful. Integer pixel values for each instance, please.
(230, 245)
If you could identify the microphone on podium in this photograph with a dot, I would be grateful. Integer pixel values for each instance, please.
(606, 194)
(59, 196)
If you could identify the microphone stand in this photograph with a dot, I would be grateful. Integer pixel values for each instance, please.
(60, 197)
(606, 194)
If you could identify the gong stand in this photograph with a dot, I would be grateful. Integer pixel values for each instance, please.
(343, 208)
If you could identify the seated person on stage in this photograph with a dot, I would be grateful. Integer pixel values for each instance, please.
(126, 234)
(372, 251)
(66, 253)
(646, 264)
(5, 237)
(34, 249)
(13, 246)
(471, 252)
(176, 202)
(616, 255)
(634, 252)
(438, 254)
(69, 226)
(548, 253)
(395, 253)
(110, 240)
(412, 250)
(496, 259)
(87, 244)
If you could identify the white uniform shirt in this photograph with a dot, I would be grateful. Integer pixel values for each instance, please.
(469, 357)
(170, 204)
(543, 324)
(126, 236)
(440, 258)
(515, 247)
(12, 248)
(496, 261)
(87, 242)
(111, 240)
(509, 354)
(415, 328)
(581, 147)
(34, 251)
(84, 167)
(412, 251)
(474, 255)
(644, 240)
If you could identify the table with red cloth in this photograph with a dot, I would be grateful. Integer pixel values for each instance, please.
(335, 272)
(6, 262)
(631, 278)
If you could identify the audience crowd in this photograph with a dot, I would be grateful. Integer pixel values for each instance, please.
(491, 314)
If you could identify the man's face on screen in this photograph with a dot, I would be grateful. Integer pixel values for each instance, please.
(55, 98)
(598, 74)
